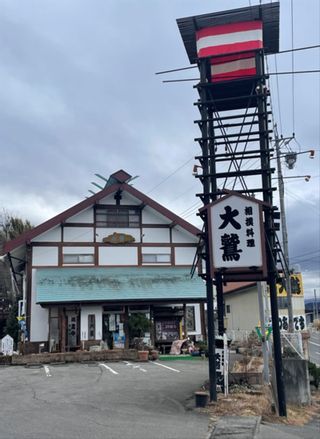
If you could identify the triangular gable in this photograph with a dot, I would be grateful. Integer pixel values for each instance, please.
(62, 217)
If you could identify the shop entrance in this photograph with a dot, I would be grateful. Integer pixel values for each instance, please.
(112, 328)
(168, 326)
(73, 333)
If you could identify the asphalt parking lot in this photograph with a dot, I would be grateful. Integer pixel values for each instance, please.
(151, 400)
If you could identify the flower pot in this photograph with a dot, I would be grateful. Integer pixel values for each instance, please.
(143, 355)
(154, 355)
(201, 399)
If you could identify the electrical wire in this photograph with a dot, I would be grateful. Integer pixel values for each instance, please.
(278, 93)
(305, 254)
(267, 54)
(170, 175)
(300, 199)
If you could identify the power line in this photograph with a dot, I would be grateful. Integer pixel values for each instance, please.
(300, 199)
(298, 48)
(298, 72)
(195, 66)
(170, 175)
(303, 260)
(305, 254)
(193, 206)
(278, 92)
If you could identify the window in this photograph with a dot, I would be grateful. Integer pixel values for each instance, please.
(282, 302)
(53, 329)
(78, 258)
(117, 217)
(91, 327)
(226, 309)
(191, 323)
(153, 258)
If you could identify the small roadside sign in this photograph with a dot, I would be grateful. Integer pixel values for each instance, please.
(6, 345)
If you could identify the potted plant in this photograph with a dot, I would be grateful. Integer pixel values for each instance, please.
(138, 325)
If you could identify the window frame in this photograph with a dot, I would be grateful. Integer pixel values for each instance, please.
(190, 318)
(156, 257)
(78, 256)
(117, 217)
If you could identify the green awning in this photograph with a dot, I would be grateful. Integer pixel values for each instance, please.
(61, 285)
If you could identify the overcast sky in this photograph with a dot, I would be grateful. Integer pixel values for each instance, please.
(79, 96)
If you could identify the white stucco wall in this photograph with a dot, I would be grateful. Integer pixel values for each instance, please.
(180, 235)
(86, 216)
(53, 235)
(45, 256)
(118, 256)
(129, 200)
(151, 216)
(78, 234)
(244, 310)
(185, 255)
(156, 235)
(39, 317)
(126, 200)
(107, 200)
(85, 311)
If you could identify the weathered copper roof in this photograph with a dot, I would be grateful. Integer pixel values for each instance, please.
(120, 284)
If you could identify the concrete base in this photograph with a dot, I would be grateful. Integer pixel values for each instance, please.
(236, 427)
(296, 381)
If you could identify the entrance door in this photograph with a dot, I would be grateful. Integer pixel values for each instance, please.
(108, 329)
(112, 331)
(72, 329)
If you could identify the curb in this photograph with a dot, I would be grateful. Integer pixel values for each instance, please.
(232, 427)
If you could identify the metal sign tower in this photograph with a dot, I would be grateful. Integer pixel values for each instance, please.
(229, 49)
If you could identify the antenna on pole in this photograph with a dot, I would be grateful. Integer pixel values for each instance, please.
(97, 185)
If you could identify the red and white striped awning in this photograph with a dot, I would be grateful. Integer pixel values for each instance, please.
(235, 41)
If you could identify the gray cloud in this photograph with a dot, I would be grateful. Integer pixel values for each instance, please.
(79, 95)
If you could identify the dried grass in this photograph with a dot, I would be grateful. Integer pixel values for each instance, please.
(245, 402)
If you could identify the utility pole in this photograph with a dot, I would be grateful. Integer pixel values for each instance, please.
(262, 315)
(316, 313)
(284, 231)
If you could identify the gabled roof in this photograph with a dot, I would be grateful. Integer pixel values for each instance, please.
(118, 181)
(237, 287)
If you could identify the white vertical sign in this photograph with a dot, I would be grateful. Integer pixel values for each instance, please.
(236, 240)
(6, 345)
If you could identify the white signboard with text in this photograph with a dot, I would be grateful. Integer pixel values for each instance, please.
(6, 345)
(236, 234)
(299, 322)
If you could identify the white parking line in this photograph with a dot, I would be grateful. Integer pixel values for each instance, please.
(47, 371)
(167, 367)
(109, 368)
(139, 368)
(134, 367)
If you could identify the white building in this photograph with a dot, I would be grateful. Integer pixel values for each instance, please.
(241, 306)
(116, 253)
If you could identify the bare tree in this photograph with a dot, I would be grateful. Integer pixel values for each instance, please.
(11, 227)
